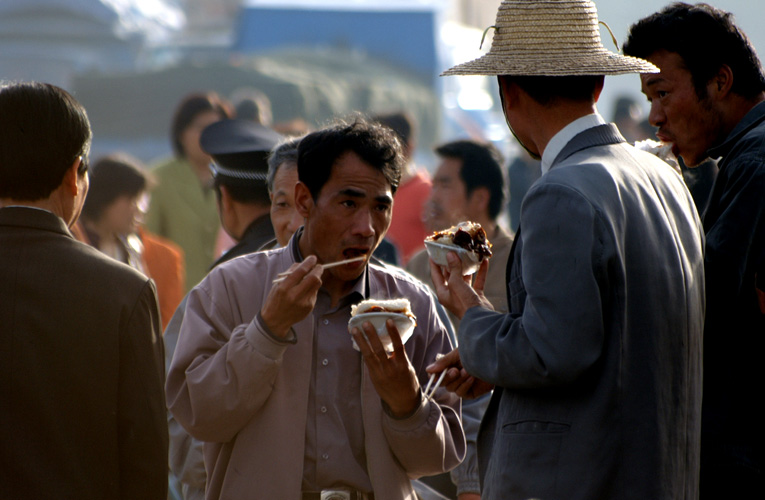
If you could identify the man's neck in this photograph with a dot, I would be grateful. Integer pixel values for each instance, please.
(556, 119)
(735, 112)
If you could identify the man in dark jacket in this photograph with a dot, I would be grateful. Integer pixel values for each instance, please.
(709, 102)
(81, 380)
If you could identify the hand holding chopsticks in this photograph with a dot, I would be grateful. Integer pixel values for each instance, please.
(458, 381)
(427, 387)
(432, 378)
(282, 276)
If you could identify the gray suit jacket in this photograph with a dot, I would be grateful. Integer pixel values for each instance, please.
(598, 364)
(82, 408)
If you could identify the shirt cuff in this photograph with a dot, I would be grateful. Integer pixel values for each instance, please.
(264, 341)
(415, 419)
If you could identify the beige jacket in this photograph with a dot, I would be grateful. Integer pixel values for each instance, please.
(246, 395)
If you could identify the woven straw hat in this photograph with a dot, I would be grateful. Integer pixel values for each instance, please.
(549, 38)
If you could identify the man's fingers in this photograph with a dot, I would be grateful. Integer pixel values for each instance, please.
(455, 378)
(297, 271)
(361, 342)
(455, 263)
(438, 277)
(465, 389)
(445, 361)
(479, 280)
(376, 350)
(395, 337)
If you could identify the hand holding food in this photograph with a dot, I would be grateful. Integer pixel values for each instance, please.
(468, 239)
(377, 312)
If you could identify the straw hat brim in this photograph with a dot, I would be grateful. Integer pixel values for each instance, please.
(547, 64)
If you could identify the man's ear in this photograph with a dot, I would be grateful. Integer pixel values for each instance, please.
(303, 200)
(71, 178)
(479, 200)
(721, 84)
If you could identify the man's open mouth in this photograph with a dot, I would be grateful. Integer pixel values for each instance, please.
(350, 253)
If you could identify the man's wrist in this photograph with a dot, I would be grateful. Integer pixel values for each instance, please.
(273, 328)
(404, 411)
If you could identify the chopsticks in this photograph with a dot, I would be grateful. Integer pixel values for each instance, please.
(432, 377)
(283, 275)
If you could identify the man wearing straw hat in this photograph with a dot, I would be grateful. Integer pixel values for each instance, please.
(596, 369)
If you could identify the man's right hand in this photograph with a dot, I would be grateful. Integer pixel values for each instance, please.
(457, 379)
(291, 300)
(454, 290)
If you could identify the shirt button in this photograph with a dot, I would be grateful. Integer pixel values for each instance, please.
(323, 409)
(325, 456)
(326, 321)
(325, 361)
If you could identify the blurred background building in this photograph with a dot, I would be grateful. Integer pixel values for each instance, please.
(129, 61)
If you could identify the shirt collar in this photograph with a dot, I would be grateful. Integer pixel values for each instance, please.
(750, 120)
(559, 140)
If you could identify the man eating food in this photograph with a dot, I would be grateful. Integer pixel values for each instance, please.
(266, 374)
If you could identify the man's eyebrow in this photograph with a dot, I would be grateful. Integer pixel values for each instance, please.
(355, 193)
(653, 80)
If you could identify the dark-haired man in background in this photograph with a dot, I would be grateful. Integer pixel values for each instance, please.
(265, 373)
(83, 410)
(708, 102)
(468, 185)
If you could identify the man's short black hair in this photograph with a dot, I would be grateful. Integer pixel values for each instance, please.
(481, 167)
(705, 38)
(375, 144)
(547, 89)
(112, 177)
(43, 131)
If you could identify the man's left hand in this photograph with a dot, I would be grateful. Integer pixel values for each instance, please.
(393, 375)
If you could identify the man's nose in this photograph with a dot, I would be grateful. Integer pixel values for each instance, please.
(362, 223)
(656, 116)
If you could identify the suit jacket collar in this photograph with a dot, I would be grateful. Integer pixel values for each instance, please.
(33, 218)
(596, 136)
(753, 118)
